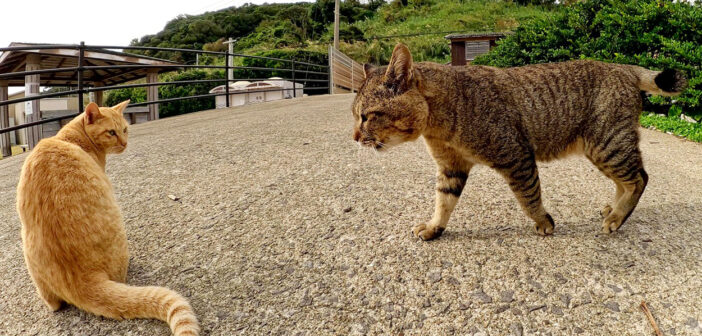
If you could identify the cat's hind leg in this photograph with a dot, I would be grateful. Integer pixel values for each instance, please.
(620, 160)
(608, 208)
(523, 178)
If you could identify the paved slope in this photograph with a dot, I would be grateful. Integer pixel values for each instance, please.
(284, 227)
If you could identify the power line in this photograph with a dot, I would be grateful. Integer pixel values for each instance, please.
(413, 34)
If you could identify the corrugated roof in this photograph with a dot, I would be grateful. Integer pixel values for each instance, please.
(476, 35)
(15, 61)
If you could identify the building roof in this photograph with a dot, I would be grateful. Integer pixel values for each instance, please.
(246, 86)
(15, 61)
(476, 36)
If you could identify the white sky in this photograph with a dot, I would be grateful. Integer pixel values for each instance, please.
(98, 22)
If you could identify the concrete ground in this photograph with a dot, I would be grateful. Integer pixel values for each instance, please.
(284, 227)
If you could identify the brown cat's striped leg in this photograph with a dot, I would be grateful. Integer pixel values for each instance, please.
(608, 208)
(622, 163)
(452, 174)
(449, 186)
(523, 178)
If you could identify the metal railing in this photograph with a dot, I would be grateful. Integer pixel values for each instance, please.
(319, 70)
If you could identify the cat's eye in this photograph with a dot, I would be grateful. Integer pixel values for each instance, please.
(125, 130)
(364, 118)
(112, 133)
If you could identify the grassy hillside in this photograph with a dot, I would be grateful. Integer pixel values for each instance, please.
(303, 31)
(422, 24)
(410, 25)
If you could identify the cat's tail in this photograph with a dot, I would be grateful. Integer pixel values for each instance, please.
(668, 82)
(120, 301)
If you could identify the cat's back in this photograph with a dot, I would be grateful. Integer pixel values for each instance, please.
(59, 179)
(55, 163)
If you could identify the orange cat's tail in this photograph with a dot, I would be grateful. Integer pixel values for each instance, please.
(120, 301)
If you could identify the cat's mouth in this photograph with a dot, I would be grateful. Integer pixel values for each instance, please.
(118, 149)
(374, 144)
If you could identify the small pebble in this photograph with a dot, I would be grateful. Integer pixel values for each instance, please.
(507, 296)
(613, 306)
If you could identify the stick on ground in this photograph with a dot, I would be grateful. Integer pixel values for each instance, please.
(644, 307)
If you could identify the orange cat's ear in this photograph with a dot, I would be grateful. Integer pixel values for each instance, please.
(121, 106)
(399, 72)
(92, 113)
(368, 70)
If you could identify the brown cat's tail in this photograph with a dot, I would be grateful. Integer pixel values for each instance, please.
(120, 301)
(668, 82)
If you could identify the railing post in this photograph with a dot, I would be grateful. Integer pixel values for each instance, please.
(81, 54)
(152, 93)
(353, 84)
(226, 84)
(293, 80)
(331, 70)
(32, 108)
(4, 121)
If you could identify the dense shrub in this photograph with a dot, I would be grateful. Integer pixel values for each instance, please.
(422, 25)
(654, 34)
(138, 95)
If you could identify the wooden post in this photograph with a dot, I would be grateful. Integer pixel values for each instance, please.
(96, 96)
(4, 121)
(230, 58)
(152, 94)
(32, 111)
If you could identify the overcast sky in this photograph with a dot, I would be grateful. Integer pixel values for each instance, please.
(114, 22)
(97, 22)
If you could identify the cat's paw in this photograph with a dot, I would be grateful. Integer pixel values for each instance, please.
(545, 228)
(606, 211)
(427, 232)
(611, 223)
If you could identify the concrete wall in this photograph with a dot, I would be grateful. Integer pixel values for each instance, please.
(50, 107)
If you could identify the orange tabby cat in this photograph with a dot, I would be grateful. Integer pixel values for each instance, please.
(74, 240)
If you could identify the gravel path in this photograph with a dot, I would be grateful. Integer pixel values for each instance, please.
(284, 227)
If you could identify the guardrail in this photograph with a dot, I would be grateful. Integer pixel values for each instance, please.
(346, 75)
(295, 68)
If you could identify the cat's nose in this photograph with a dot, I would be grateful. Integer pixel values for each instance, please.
(356, 135)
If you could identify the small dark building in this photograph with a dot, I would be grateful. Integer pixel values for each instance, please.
(466, 47)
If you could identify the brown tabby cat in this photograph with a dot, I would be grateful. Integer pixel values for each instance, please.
(508, 119)
(74, 241)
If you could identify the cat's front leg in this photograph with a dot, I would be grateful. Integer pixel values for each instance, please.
(451, 178)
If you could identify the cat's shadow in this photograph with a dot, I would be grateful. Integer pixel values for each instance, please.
(669, 218)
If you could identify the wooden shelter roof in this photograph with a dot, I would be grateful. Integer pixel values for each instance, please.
(475, 36)
(15, 61)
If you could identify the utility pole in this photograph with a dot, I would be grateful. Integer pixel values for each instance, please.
(336, 24)
(231, 42)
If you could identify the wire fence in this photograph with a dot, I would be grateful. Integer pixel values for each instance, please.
(293, 67)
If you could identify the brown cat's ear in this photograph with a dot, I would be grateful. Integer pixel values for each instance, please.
(399, 72)
(121, 106)
(92, 113)
(368, 69)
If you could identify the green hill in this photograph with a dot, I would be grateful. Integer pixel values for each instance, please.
(303, 31)
(364, 32)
